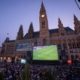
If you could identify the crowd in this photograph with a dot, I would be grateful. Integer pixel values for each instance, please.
(56, 72)
(11, 71)
(14, 71)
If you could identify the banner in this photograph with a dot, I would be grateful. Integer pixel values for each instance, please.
(23, 47)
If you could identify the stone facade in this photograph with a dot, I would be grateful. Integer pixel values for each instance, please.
(0, 49)
(67, 38)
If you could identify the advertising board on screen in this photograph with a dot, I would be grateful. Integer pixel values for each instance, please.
(45, 53)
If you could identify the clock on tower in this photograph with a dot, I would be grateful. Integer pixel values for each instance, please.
(42, 15)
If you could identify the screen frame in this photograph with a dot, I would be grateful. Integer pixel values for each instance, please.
(45, 61)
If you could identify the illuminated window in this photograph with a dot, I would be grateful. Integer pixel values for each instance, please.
(1, 58)
(9, 59)
(4, 58)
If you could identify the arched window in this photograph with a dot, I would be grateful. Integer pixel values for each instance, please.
(44, 41)
(35, 43)
(72, 57)
(43, 24)
(76, 57)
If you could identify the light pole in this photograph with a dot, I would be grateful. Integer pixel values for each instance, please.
(78, 3)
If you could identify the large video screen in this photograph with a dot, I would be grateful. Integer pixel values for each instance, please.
(45, 53)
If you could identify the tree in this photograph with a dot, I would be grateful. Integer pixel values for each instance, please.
(1, 76)
(25, 74)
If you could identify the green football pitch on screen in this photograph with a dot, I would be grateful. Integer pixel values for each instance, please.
(45, 53)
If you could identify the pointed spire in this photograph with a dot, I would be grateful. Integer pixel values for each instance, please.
(76, 21)
(30, 28)
(60, 23)
(42, 7)
(76, 24)
(20, 33)
(61, 27)
(30, 31)
(7, 39)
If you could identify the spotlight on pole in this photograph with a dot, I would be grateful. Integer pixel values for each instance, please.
(78, 0)
(69, 61)
(77, 3)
